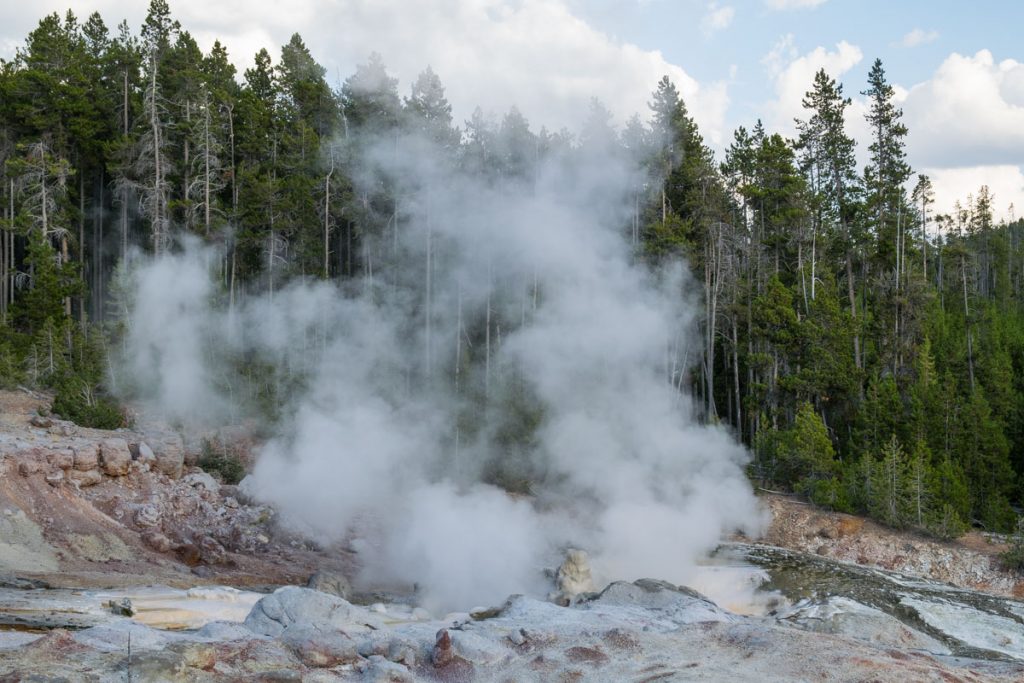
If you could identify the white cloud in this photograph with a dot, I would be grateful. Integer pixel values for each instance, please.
(535, 54)
(969, 113)
(918, 37)
(1006, 182)
(717, 18)
(792, 75)
(793, 4)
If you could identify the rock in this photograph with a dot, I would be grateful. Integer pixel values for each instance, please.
(143, 453)
(21, 583)
(573, 577)
(442, 653)
(679, 604)
(155, 666)
(27, 468)
(291, 605)
(448, 665)
(82, 479)
(63, 459)
(402, 652)
(319, 648)
(41, 422)
(203, 571)
(330, 582)
(122, 607)
(212, 551)
(147, 516)
(62, 429)
(380, 670)
(157, 541)
(55, 478)
(844, 616)
(169, 454)
(115, 458)
(202, 481)
(189, 554)
(86, 457)
(234, 492)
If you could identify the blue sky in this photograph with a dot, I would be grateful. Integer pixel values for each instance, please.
(957, 66)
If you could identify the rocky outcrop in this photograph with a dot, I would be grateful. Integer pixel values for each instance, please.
(573, 577)
(169, 456)
(86, 457)
(115, 457)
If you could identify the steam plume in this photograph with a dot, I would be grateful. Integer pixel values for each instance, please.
(505, 335)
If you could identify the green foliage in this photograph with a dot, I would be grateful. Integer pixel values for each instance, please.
(1013, 557)
(227, 467)
(78, 382)
(871, 352)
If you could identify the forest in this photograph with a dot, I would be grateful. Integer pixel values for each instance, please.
(868, 350)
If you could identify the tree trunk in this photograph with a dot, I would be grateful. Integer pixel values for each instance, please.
(81, 243)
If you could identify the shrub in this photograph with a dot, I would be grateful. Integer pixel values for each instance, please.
(228, 467)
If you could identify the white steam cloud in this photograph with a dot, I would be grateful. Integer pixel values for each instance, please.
(501, 333)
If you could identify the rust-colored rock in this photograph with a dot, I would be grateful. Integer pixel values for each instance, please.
(189, 554)
(83, 479)
(63, 459)
(157, 541)
(86, 457)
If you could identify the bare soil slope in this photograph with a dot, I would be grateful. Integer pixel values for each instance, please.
(969, 562)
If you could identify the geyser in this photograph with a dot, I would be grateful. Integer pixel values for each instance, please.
(502, 337)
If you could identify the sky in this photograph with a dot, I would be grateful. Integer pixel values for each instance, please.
(957, 66)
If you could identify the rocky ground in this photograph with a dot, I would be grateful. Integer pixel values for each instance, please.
(968, 562)
(90, 509)
(644, 632)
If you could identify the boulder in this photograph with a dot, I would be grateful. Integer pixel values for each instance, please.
(62, 429)
(212, 551)
(29, 466)
(115, 457)
(63, 459)
(330, 582)
(41, 421)
(147, 516)
(189, 553)
(86, 457)
(169, 456)
(157, 541)
(143, 453)
(291, 605)
(202, 481)
(55, 478)
(83, 479)
(678, 604)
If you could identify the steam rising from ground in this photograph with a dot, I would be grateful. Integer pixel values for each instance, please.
(533, 349)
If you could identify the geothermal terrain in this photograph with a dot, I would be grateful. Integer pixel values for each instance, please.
(122, 560)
